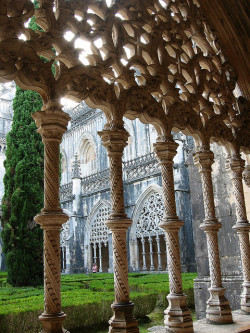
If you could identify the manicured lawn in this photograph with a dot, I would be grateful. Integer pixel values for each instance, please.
(86, 299)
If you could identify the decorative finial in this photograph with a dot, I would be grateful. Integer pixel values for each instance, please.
(76, 169)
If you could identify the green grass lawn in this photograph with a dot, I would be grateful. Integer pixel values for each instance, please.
(86, 299)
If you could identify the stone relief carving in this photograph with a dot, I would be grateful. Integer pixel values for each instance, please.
(95, 182)
(66, 193)
(65, 233)
(111, 59)
(141, 167)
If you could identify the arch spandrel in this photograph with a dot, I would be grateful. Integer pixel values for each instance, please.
(165, 53)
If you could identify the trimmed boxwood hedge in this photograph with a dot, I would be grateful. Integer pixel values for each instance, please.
(86, 300)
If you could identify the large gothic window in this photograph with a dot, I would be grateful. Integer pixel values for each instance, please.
(99, 231)
(87, 155)
(150, 238)
(150, 216)
(99, 238)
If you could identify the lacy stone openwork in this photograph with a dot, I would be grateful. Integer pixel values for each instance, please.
(159, 61)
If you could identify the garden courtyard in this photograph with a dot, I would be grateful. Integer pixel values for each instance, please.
(86, 300)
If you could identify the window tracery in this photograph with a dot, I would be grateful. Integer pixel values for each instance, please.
(150, 216)
(99, 231)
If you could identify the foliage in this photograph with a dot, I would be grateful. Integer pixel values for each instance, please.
(86, 299)
(23, 194)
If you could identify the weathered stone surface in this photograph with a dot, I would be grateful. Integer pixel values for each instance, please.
(241, 324)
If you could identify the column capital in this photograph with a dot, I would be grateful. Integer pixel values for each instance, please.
(165, 150)
(203, 159)
(246, 175)
(114, 140)
(118, 223)
(51, 123)
(51, 220)
(235, 164)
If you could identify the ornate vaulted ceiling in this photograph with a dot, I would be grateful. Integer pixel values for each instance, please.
(160, 61)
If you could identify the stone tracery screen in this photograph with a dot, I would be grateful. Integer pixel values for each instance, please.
(99, 232)
(150, 216)
(160, 59)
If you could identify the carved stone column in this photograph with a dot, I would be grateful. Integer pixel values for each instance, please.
(123, 320)
(218, 308)
(51, 124)
(95, 256)
(177, 316)
(150, 240)
(100, 257)
(144, 267)
(159, 253)
(242, 226)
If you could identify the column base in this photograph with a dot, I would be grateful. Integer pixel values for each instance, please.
(245, 298)
(178, 317)
(123, 320)
(53, 323)
(218, 308)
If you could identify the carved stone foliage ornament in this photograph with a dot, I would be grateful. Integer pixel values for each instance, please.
(157, 60)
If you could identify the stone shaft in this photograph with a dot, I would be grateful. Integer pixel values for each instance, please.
(123, 320)
(236, 166)
(51, 123)
(177, 315)
(218, 308)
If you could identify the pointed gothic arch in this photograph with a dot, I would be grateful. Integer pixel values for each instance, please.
(147, 238)
(64, 166)
(86, 150)
(96, 237)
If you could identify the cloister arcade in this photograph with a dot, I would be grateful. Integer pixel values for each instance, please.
(159, 61)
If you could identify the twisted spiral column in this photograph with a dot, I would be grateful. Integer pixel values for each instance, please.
(52, 124)
(115, 141)
(236, 166)
(218, 309)
(177, 315)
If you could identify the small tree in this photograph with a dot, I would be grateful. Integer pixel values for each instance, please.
(23, 194)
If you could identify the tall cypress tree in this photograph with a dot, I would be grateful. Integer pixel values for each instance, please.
(23, 196)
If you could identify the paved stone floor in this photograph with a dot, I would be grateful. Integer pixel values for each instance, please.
(241, 325)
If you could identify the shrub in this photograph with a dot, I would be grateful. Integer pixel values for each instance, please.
(85, 299)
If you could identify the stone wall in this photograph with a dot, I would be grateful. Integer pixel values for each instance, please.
(141, 173)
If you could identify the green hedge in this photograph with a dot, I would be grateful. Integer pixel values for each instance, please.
(85, 300)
